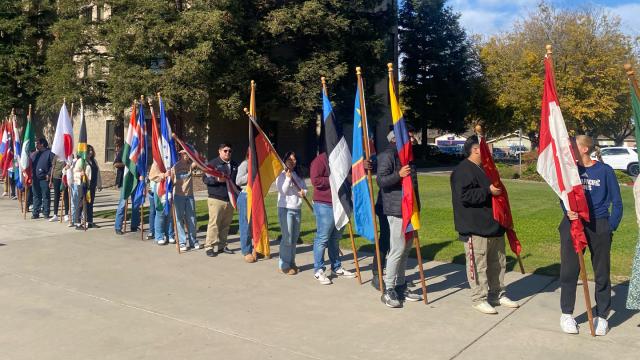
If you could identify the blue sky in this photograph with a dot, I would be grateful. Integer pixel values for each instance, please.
(488, 17)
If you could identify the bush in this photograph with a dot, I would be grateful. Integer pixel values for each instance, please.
(530, 172)
(623, 177)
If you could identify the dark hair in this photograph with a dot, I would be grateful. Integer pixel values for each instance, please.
(90, 148)
(43, 142)
(468, 145)
(224, 145)
(287, 155)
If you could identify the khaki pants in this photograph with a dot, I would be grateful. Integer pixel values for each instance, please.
(489, 267)
(220, 216)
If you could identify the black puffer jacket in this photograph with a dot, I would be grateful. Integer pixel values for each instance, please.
(216, 189)
(390, 182)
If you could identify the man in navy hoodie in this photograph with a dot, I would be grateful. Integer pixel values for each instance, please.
(602, 191)
(42, 161)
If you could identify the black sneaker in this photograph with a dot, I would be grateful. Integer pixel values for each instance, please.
(390, 298)
(35, 216)
(119, 232)
(404, 294)
(375, 282)
(79, 227)
(211, 253)
(225, 250)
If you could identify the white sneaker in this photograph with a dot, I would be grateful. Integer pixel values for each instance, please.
(161, 242)
(183, 248)
(344, 273)
(485, 308)
(322, 278)
(568, 324)
(172, 241)
(66, 218)
(504, 301)
(197, 246)
(601, 325)
(54, 218)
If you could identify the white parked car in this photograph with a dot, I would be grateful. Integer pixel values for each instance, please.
(620, 158)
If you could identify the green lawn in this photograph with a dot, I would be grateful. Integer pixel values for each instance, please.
(536, 214)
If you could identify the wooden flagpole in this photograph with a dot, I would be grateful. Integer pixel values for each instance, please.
(72, 210)
(124, 223)
(583, 272)
(367, 153)
(26, 188)
(416, 239)
(632, 78)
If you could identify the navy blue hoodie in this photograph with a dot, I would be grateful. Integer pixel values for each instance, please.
(602, 190)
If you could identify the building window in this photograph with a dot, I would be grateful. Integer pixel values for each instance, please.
(110, 142)
(100, 12)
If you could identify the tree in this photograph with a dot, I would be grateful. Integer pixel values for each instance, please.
(437, 65)
(24, 35)
(589, 50)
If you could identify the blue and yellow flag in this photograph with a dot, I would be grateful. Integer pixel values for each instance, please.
(410, 212)
(362, 206)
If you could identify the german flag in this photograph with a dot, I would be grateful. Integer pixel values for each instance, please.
(264, 168)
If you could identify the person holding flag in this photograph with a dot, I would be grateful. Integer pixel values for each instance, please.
(398, 182)
(633, 296)
(42, 161)
(483, 237)
(182, 174)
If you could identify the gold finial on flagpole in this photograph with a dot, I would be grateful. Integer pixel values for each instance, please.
(549, 49)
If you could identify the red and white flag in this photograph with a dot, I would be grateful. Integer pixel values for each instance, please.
(62, 145)
(556, 162)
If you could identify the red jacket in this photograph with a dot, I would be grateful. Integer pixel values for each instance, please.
(320, 179)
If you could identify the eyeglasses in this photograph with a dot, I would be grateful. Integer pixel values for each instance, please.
(227, 151)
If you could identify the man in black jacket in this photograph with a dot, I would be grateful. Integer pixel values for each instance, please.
(389, 178)
(220, 208)
(42, 161)
(471, 194)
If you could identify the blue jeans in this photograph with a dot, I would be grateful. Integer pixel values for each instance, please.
(134, 215)
(246, 243)
(185, 212)
(327, 237)
(163, 225)
(290, 228)
(76, 197)
(41, 197)
(152, 212)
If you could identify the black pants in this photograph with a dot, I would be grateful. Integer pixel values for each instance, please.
(56, 197)
(383, 241)
(81, 203)
(599, 239)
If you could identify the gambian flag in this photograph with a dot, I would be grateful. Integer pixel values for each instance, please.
(556, 163)
(82, 152)
(362, 207)
(339, 163)
(62, 145)
(264, 168)
(500, 203)
(129, 157)
(410, 213)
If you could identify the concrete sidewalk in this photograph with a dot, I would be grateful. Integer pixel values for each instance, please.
(68, 294)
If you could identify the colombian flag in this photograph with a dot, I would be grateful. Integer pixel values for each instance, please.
(410, 213)
(264, 168)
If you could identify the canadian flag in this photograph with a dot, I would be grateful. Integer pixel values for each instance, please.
(63, 140)
(556, 163)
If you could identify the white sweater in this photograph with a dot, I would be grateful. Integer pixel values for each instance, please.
(288, 192)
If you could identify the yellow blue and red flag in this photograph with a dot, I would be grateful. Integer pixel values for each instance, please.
(410, 212)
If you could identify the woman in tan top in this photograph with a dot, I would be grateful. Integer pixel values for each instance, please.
(184, 202)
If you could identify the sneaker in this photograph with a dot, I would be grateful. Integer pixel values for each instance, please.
(225, 250)
(485, 308)
(322, 278)
(601, 325)
(183, 248)
(172, 241)
(161, 242)
(118, 232)
(197, 246)
(343, 273)
(211, 253)
(292, 271)
(504, 301)
(79, 227)
(405, 294)
(35, 216)
(66, 218)
(390, 298)
(150, 236)
(54, 218)
(73, 225)
(568, 324)
(14, 197)
(249, 258)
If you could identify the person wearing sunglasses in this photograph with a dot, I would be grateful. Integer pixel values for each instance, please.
(220, 208)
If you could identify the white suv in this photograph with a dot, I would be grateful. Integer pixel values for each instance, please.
(620, 158)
